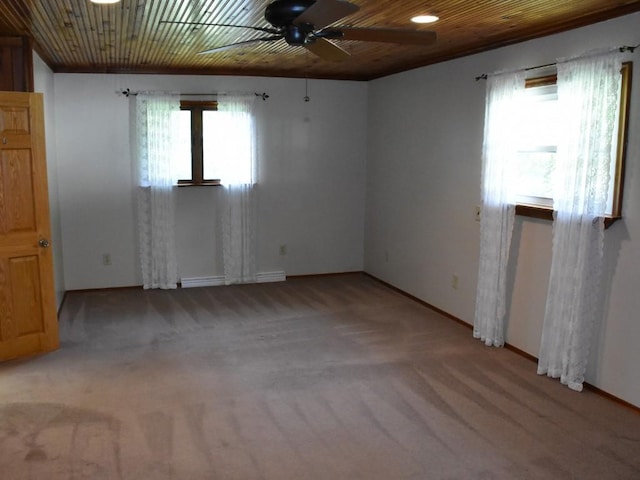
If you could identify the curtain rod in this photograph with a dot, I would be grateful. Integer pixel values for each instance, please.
(128, 93)
(624, 48)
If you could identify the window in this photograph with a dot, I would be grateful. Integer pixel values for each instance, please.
(200, 130)
(538, 144)
(533, 170)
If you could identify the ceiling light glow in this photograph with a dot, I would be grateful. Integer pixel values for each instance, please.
(425, 19)
(105, 1)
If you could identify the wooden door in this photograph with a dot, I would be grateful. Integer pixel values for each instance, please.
(28, 321)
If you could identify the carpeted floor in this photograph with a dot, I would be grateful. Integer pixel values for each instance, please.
(314, 378)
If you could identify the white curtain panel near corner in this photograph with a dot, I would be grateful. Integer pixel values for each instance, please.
(154, 137)
(588, 93)
(504, 95)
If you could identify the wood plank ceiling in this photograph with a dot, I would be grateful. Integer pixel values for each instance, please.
(127, 37)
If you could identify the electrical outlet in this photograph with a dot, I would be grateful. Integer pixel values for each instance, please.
(455, 281)
(283, 249)
(106, 259)
(478, 213)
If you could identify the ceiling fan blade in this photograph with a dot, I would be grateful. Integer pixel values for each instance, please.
(327, 50)
(325, 12)
(204, 24)
(389, 35)
(329, 33)
(237, 44)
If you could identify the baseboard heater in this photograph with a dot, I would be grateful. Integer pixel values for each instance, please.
(218, 280)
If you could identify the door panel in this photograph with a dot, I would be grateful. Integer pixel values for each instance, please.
(25, 293)
(18, 209)
(15, 119)
(28, 322)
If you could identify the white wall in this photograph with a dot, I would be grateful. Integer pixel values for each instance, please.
(311, 178)
(44, 83)
(423, 182)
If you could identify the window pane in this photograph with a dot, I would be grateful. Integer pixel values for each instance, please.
(226, 146)
(533, 173)
(213, 131)
(541, 121)
(535, 162)
(183, 149)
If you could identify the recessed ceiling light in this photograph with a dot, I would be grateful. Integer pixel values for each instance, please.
(105, 1)
(425, 19)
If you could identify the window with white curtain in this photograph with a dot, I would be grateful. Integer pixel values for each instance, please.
(208, 137)
(535, 164)
(561, 151)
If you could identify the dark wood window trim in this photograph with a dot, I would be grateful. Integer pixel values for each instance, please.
(542, 213)
(197, 154)
(546, 213)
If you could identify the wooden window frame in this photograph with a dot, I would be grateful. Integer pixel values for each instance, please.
(196, 108)
(546, 213)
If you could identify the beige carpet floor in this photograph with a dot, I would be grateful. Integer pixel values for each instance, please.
(314, 378)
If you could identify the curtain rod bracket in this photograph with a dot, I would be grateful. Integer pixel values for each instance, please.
(629, 49)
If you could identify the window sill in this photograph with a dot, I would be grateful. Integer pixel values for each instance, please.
(206, 183)
(545, 213)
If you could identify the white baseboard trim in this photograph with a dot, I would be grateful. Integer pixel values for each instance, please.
(218, 280)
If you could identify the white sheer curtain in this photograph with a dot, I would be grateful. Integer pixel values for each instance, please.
(238, 178)
(504, 94)
(155, 124)
(588, 93)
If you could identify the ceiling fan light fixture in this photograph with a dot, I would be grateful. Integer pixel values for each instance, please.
(425, 19)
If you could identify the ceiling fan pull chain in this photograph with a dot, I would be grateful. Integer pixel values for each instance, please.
(306, 76)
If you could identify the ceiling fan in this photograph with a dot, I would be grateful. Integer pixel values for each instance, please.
(304, 23)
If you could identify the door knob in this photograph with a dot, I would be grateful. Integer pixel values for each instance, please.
(43, 242)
